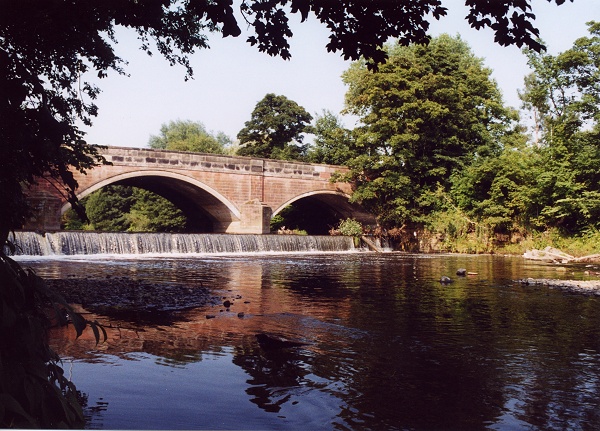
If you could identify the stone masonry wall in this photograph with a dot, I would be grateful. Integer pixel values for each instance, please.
(238, 180)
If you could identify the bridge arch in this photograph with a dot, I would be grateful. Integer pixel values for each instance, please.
(206, 209)
(327, 207)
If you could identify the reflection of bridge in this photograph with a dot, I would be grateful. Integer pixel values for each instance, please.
(217, 193)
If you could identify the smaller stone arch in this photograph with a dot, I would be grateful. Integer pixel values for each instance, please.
(337, 202)
(197, 200)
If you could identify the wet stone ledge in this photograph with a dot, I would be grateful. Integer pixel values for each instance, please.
(582, 287)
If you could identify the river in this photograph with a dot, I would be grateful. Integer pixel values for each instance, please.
(385, 345)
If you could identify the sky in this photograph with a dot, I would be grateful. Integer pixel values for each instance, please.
(232, 76)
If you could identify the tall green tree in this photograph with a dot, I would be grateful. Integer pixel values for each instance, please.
(332, 142)
(107, 208)
(563, 94)
(498, 190)
(153, 213)
(119, 208)
(187, 135)
(426, 113)
(275, 130)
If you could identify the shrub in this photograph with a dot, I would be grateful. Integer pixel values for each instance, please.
(350, 227)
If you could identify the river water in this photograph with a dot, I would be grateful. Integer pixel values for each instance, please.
(387, 346)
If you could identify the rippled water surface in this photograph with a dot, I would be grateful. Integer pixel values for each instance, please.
(387, 346)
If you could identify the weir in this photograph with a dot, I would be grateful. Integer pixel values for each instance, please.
(90, 243)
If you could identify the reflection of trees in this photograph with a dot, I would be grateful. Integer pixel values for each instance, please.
(554, 371)
(274, 374)
(92, 414)
(392, 347)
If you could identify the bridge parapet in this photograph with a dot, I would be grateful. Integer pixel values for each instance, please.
(166, 159)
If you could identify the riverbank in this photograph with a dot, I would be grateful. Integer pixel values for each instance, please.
(582, 287)
(126, 294)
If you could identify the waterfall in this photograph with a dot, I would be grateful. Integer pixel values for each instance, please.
(88, 243)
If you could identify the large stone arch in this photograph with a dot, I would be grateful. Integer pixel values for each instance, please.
(337, 202)
(208, 210)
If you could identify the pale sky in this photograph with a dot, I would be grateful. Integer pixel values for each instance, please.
(232, 76)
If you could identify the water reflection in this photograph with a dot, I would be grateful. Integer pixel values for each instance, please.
(387, 347)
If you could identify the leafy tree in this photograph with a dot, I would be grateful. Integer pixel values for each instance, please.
(563, 93)
(275, 130)
(332, 143)
(499, 190)
(122, 208)
(153, 213)
(188, 136)
(426, 113)
(107, 208)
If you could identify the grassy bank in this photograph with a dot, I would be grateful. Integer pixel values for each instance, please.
(580, 245)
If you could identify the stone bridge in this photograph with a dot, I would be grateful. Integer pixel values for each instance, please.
(217, 193)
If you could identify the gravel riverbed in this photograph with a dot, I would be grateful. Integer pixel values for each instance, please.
(123, 293)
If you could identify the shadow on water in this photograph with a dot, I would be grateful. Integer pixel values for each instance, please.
(382, 345)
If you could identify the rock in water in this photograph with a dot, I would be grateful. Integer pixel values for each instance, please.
(445, 280)
(270, 342)
(461, 272)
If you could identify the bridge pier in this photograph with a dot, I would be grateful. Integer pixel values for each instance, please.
(45, 211)
(255, 218)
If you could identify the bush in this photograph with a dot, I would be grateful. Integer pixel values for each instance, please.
(350, 227)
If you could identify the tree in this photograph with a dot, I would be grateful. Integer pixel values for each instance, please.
(153, 213)
(275, 129)
(119, 208)
(563, 93)
(499, 190)
(426, 113)
(332, 143)
(188, 136)
(107, 208)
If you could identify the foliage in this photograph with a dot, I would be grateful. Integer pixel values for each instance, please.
(428, 112)
(583, 244)
(285, 231)
(563, 92)
(350, 227)
(359, 28)
(34, 393)
(122, 208)
(43, 95)
(460, 234)
(188, 136)
(292, 220)
(333, 142)
(499, 190)
(153, 213)
(275, 129)
(563, 95)
(107, 208)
